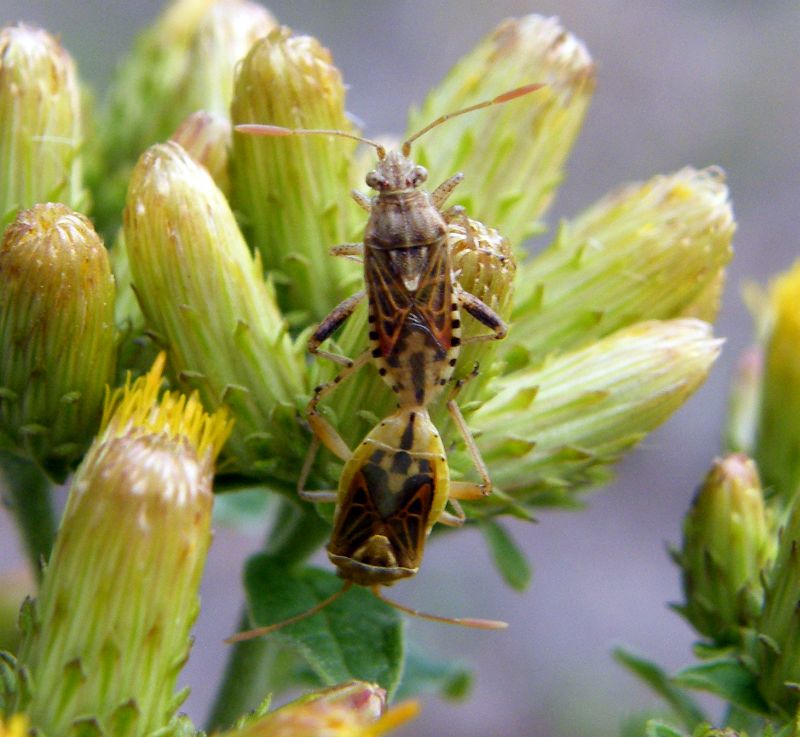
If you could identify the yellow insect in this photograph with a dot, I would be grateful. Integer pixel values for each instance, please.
(393, 489)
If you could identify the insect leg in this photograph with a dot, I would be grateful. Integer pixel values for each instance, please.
(465, 489)
(443, 191)
(457, 518)
(351, 251)
(330, 325)
(302, 492)
(483, 314)
(321, 427)
(364, 202)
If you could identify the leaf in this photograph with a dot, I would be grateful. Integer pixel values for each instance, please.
(657, 728)
(684, 705)
(507, 556)
(727, 678)
(356, 637)
(425, 675)
(242, 509)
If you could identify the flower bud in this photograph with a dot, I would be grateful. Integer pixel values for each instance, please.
(183, 63)
(513, 154)
(40, 122)
(778, 437)
(354, 709)
(203, 296)
(647, 252)
(728, 544)
(547, 431)
(293, 191)
(109, 632)
(778, 643)
(744, 402)
(206, 137)
(57, 334)
(485, 265)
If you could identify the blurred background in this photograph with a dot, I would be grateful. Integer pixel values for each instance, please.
(679, 82)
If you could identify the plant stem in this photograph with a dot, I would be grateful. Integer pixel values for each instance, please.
(28, 492)
(242, 685)
(252, 666)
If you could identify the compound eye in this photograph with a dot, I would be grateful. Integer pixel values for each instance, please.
(375, 181)
(418, 175)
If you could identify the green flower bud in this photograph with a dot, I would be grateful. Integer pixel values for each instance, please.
(513, 154)
(206, 137)
(293, 191)
(486, 267)
(547, 431)
(778, 654)
(778, 440)
(57, 335)
(136, 351)
(354, 709)
(109, 632)
(651, 251)
(40, 122)
(204, 298)
(744, 403)
(728, 544)
(183, 63)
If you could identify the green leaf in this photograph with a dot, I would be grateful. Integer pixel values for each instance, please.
(727, 678)
(507, 556)
(684, 705)
(357, 636)
(242, 509)
(657, 728)
(425, 675)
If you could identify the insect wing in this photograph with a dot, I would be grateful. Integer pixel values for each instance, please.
(398, 310)
(392, 506)
(389, 300)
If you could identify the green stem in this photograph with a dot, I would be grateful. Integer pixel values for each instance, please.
(242, 685)
(296, 533)
(28, 492)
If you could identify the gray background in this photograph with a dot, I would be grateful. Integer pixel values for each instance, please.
(679, 83)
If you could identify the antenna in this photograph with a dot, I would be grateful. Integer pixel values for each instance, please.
(481, 624)
(257, 129)
(499, 100)
(259, 631)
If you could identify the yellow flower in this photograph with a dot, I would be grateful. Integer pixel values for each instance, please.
(109, 631)
(15, 726)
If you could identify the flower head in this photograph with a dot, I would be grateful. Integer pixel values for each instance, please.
(728, 545)
(40, 122)
(350, 710)
(109, 631)
(57, 334)
(777, 448)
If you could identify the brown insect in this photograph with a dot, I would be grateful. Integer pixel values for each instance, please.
(414, 299)
(387, 507)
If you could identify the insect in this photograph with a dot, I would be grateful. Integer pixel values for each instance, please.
(394, 487)
(392, 491)
(414, 299)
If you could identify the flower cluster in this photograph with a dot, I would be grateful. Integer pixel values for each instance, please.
(220, 265)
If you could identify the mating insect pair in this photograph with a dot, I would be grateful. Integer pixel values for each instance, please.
(395, 486)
